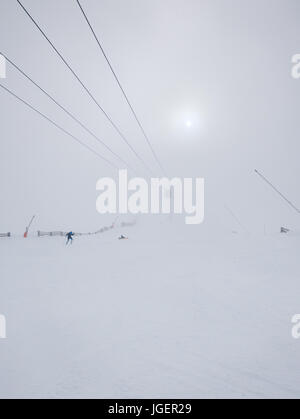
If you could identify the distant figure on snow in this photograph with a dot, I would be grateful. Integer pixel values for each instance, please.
(70, 237)
(123, 237)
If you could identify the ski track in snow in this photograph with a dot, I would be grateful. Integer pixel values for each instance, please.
(166, 313)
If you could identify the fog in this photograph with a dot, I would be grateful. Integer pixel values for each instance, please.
(209, 79)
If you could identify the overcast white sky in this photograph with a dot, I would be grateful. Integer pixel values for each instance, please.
(224, 65)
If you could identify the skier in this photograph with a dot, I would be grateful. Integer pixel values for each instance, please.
(123, 237)
(69, 237)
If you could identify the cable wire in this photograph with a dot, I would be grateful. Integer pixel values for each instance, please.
(65, 110)
(58, 126)
(85, 88)
(121, 88)
(277, 190)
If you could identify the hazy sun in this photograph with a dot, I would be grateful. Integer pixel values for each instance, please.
(187, 122)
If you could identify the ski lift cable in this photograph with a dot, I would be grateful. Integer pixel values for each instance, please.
(276, 190)
(121, 88)
(65, 110)
(113, 124)
(58, 126)
(229, 210)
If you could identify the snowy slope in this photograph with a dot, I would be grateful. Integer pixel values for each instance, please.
(168, 313)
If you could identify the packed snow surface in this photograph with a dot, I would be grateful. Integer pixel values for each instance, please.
(170, 312)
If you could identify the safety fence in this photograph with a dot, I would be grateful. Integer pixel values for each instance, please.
(100, 231)
(104, 229)
(64, 233)
(124, 225)
(51, 233)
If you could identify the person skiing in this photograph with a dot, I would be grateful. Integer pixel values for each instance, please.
(70, 236)
(123, 237)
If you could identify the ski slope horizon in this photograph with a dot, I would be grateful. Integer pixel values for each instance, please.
(171, 312)
(179, 89)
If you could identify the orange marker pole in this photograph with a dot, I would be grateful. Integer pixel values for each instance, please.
(27, 228)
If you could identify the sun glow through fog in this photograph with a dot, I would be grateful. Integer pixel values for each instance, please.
(187, 121)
